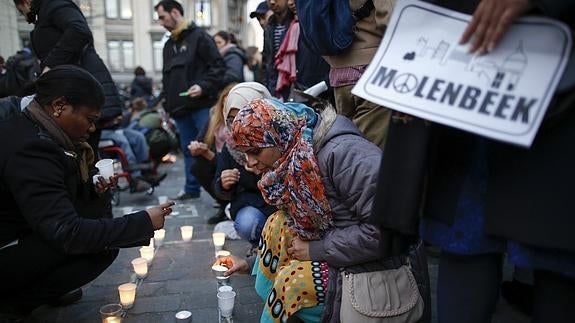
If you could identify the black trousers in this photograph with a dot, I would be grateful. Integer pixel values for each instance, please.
(204, 172)
(468, 288)
(32, 273)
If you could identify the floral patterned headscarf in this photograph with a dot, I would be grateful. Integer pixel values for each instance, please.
(294, 184)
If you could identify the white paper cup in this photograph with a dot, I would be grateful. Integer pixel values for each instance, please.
(162, 199)
(106, 168)
(187, 232)
(127, 294)
(226, 303)
(140, 267)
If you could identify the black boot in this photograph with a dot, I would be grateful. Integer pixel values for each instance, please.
(219, 217)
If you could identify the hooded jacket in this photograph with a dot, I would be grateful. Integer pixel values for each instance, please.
(235, 60)
(348, 165)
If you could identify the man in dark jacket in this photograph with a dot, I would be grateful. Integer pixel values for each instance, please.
(192, 77)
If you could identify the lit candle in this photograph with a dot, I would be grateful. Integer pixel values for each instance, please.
(222, 253)
(219, 239)
(140, 267)
(184, 316)
(159, 236)
(147, 253)
(187, 232)
(127, 294)
(112, 320)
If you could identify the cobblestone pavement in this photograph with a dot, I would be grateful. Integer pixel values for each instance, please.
(180, 276)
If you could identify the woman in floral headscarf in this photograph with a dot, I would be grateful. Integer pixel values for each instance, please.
(318, 170)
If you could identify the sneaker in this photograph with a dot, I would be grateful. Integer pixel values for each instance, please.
(185, 196)
(219, 217)
(140, 185)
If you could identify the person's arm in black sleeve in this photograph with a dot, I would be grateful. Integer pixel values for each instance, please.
(36, 173)
(224, 161)
(212, 80)
(76, 36)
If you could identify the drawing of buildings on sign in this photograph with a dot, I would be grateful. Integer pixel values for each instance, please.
(501, 75)
(432, 51)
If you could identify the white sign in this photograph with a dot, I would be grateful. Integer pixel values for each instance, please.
(420, 69)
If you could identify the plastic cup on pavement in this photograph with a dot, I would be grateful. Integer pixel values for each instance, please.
(226, 303)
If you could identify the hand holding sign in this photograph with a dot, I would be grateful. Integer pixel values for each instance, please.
(490, 21)
(422, 69)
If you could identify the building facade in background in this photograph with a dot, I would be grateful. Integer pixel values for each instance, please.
(126, 32)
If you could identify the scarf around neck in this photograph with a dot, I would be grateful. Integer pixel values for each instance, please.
(82, 151)
(294, 184)
(285, 59)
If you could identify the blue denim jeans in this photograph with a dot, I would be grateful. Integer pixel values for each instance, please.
(189, 126)
(249, 223)
(132, 142)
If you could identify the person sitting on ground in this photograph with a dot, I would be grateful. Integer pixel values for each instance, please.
(210, 142)
(235, 181)
(318, 170)
(48, 247)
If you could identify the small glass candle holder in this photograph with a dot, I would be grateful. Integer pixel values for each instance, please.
(147, 253)
(111, 313)
(159, 236)
(219, 240)
(187, 232)
(127, 293)
(140, 267)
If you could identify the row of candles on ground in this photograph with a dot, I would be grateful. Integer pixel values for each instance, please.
(112, 313)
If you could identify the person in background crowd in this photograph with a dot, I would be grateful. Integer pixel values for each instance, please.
(233, 56)
(60, 36)
(262, 13)
(253, 71)
(274, 34)
(192, 78)
(2, 66)
(49, 247)
(142, 86)
(18, 71)
(298, 67)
